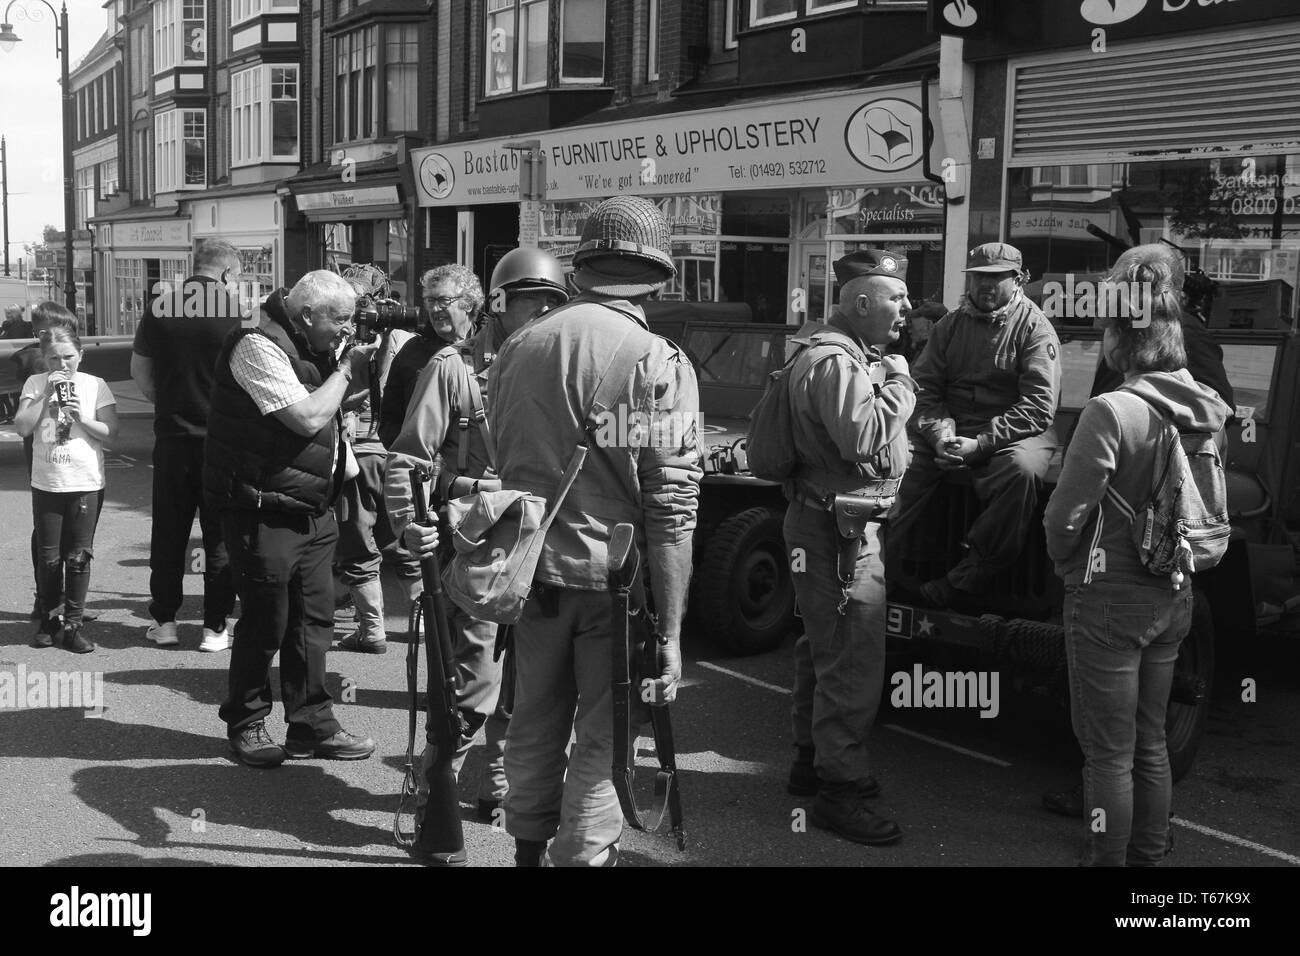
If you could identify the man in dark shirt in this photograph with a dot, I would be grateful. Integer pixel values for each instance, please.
(175, 351)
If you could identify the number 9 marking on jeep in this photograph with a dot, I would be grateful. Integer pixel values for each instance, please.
(898, 621)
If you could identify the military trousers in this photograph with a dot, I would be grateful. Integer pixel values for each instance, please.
(839, 662)
(563, 673)
(1007, 486)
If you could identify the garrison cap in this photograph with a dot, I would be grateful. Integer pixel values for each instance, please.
(995, 257)
(870, 262)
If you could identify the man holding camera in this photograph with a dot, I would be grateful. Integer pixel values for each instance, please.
(273, 465)
(442, 420)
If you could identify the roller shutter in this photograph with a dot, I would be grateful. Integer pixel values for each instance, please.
(1231, 91)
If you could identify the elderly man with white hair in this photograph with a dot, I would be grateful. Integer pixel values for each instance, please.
(273, 465)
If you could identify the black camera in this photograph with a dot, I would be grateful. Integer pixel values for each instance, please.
(374, 316)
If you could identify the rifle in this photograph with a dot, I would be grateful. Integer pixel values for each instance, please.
(633, 649)
(439, 839)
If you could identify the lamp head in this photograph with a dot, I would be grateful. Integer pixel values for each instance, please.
(7, 37)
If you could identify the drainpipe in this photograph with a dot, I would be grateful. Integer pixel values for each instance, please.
(956, 80)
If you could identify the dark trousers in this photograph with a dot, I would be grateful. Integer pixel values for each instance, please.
(364, 530)
(1007, 486)
(281, 567)
(177, 495)
(65, 537)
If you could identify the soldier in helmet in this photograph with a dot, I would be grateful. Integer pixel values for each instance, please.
(446, 417)
(541, 398)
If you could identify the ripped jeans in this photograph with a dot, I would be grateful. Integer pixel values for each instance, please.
(65, 536)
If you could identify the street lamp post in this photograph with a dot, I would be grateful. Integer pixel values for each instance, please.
(7, 40)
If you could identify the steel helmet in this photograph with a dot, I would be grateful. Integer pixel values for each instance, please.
(627, 227)
(521, 269)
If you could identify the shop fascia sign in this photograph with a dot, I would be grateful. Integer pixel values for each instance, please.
(995, 27)
(348, 198)
(905, 204)
(171, 233)
(865, 137)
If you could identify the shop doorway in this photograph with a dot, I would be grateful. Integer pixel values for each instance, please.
(496, 232)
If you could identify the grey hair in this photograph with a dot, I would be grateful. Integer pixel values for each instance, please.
(321, 288)
(12, 310)
(464, 278)
(214, 255)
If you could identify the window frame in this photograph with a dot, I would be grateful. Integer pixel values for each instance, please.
(652, 41)
(169, 149)
(829, 6)
(754, 21)
(372, 74)
(604, 49)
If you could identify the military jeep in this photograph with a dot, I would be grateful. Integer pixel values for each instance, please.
(1017, 623)
(742, 594)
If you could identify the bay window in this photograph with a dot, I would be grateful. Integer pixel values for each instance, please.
(264, 115)
(180, 30)
(363, 107)
(517, 35)
(180, 149)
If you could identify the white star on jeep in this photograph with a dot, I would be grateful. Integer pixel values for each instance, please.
(924, 626)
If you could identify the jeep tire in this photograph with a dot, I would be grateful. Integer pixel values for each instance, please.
(1194, 669)
(743, 589)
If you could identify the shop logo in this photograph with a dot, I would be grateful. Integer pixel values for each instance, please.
(1105, 13)
(961, 14)
(885, 135)
(436, 176)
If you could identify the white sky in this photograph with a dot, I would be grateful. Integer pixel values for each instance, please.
(31, 107)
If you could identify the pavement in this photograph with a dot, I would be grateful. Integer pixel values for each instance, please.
(150, 780)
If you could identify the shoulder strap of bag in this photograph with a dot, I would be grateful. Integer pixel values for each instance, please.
(474, 396)
(1161, 468)
(611, 385)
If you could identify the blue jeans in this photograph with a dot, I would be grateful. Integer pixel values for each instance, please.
(1121, 641)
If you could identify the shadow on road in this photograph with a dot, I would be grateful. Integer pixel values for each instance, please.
(126, 859)
(68, 734)
(296, 799)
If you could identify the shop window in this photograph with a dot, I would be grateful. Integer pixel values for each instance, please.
(516, 38)
(257, 265)
(1237, 219)
(129, 279)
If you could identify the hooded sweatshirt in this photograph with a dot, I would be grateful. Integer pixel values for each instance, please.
(1115, 444)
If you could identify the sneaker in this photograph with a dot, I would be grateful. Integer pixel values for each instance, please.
(254, 746)
(342, 746)
(846, 816)
(214, 641)
(164, 635)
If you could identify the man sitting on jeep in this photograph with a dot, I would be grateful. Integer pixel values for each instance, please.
(989, 381)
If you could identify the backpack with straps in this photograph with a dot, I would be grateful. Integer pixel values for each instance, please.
(769, 444)
(1182, 526)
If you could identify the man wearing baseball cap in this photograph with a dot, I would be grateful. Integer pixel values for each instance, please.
(849, 407)
(540, 406)
(989, 382)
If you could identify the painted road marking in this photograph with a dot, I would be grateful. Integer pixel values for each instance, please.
(1236, 840)
(746, 678)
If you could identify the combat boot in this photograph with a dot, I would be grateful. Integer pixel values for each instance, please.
(841, 810)
(370, 636)
(805, 781)
(529, 852)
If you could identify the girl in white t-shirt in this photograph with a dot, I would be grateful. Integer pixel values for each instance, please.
(69, 415)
